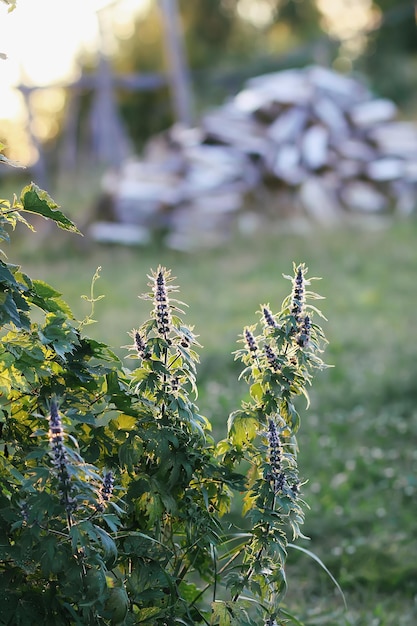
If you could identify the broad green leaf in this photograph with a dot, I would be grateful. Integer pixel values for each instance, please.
(242, 427)
(220, 615)
(48, 299)
(126, 422)
(44, 290)
(188, 591)
(109, 546)
(256, 391)
(38, 201)
(6, 276)
(10, 313)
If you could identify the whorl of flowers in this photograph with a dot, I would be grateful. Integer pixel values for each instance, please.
(25, 512)
(269, 318)
(271, 358)
(185, 342)
(297, 296)
(105, 491)
(59, 456)
(250, 341)
(275, 457)
(140, 345)
(161, 303)
(175, 383)
(304, 333)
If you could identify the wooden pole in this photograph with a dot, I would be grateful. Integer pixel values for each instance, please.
(177, 66)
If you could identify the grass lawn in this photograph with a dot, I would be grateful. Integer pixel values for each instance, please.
(357, 440)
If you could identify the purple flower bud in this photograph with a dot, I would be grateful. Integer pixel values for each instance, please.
(250, 341)
(105, 491)
(269, 318)
(276, 475)
(271, 358)
(59, 457)
(304, 334)
(140, 345)
(297, 296)
(162, 309)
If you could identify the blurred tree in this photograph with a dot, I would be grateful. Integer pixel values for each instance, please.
(228, 41)
(390, 59)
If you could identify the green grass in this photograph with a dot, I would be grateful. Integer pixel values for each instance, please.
(357, 440)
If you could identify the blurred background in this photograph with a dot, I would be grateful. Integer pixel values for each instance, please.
(226, 139)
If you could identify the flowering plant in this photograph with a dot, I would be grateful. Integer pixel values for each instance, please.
(116, 504)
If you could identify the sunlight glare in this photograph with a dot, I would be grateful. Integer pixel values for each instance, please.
(43, 41)
(349, 21)
(259, 13)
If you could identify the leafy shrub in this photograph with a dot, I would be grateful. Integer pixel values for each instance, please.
(115, 499)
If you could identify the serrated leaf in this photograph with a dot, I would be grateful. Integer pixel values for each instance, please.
(10, 313)
(38, 201)
(6, 276)
(109, 546)
(112, 521)
(48, 299)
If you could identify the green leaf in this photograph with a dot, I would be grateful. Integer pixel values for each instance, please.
(6, 276)
(9, 313)
(112, 521)
(60, 335)
(188, 591)
(291, 617)
(48, 299)
(36, 200)
(242, 427)
(220, 615)
(145, 615)
(109, 547)
(256, 391)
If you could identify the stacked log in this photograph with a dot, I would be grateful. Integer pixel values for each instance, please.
(313, 132)
(324, 136)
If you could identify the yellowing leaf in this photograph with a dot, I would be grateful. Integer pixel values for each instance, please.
(242, 427)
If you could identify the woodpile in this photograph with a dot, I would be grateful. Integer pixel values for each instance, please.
(313, 132)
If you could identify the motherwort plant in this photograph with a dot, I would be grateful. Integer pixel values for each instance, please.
(279, 355)
(116, 504)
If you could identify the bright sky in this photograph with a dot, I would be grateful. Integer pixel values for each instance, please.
(42, 38)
